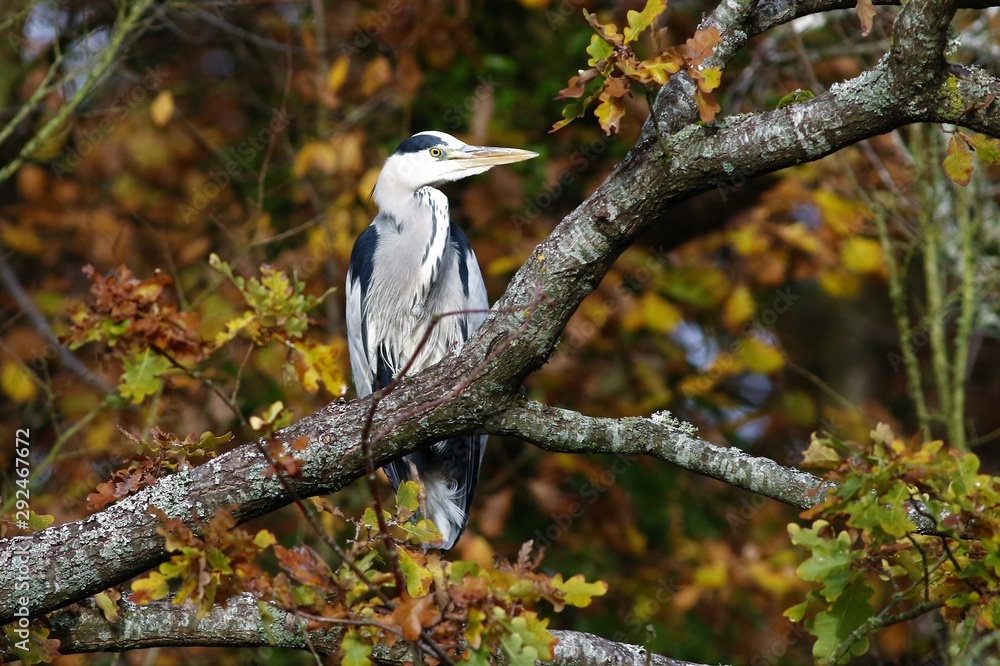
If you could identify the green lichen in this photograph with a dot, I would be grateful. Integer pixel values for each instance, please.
(796, 96)
(951, 97)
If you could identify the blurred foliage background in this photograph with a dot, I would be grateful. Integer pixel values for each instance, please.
(255, 130)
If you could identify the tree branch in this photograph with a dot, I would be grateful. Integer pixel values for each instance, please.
(238, 623)
(660, 436)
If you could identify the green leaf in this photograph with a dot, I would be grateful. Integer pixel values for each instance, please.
(459, 570)
(639, 21)
(408, 496)
(370, 519)
(830, 562)
(141, 376)
(599, 49)
(37, 522)
(356, 651)
(987, 148)
(577, 591)
(797, 612)
(893, 517)
(107, 605)
(417, 578)
(833, 626)
(421, 532)
(527, 640)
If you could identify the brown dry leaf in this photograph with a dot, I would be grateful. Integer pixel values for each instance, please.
(303, 564)
(412, 615)
(701, 45)
(104, 496)
(866, 14)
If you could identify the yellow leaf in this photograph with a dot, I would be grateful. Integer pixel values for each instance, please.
(504, 265)
(318, 363)
(862, 255)
(800, 236)
(17, 382)
(747, 240)
(739, 307)
(609, 113)
(338, 74)
(838, 283)
(658, 314)
(152, 587)
(711, 77)
(842, 215)
(958, 161)
(263, 539)
(318, 155)
(21, 238)
(712, 576)
(577, 591)
(162, 108)
(366, 185)
(758, 356)
(377, 74)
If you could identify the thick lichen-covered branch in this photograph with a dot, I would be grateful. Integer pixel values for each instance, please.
(239, 623)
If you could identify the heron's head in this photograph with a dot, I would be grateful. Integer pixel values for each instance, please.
(435, 158)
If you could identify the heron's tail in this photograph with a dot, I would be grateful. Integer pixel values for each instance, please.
(445, 508)
(449, 472)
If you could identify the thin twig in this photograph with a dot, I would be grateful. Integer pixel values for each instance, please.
(37, 319)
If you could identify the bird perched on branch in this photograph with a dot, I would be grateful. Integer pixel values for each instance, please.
(409, 265)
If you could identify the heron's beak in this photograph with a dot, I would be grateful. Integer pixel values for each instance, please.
(473, 157)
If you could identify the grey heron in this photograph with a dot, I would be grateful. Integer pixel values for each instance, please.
(410, 264)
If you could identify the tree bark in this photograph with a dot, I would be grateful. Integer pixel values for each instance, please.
(238, 623)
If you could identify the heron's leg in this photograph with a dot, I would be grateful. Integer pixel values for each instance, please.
(422, 495)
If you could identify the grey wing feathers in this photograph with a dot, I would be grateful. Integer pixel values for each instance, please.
(473, 286)
(359, 276)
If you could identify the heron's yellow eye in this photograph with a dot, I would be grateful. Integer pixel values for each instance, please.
(436, 152)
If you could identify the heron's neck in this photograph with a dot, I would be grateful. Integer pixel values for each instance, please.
(420, 222)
